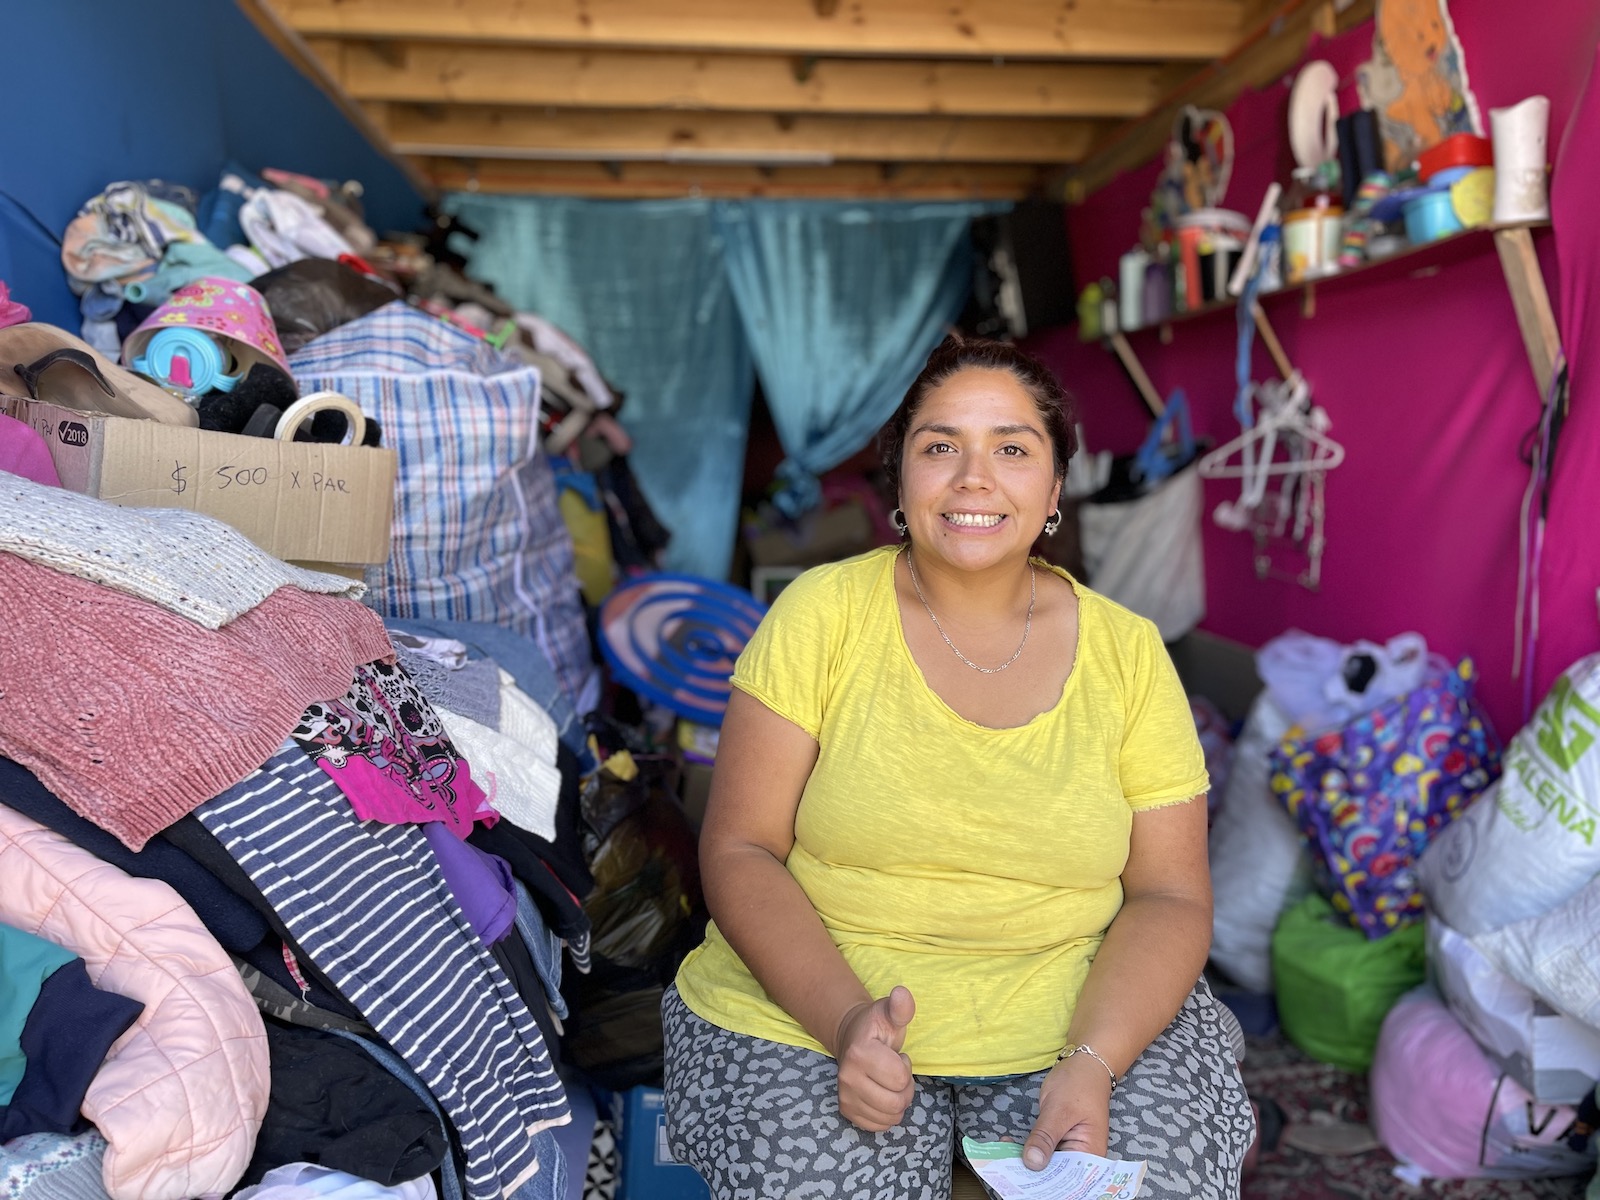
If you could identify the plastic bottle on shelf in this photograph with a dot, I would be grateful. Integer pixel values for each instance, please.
(1312, 224)
(1130, 287)
(1157, 300)
(1090, 312)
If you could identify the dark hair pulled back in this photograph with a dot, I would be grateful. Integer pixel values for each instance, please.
(956, 354)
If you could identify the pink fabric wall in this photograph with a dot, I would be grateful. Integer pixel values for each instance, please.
(1425, 380)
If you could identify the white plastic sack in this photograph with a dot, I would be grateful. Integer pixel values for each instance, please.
(1145, 553)
(1528, 842)
(1557, 955)
(1439, 1104)
(1258, 864)
(1554, 1056)
(1306, 675)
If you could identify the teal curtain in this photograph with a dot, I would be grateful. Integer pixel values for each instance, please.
(838, 303)
(841, 304)
(642, 286)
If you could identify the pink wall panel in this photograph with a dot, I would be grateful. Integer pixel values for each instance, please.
(1427, 385)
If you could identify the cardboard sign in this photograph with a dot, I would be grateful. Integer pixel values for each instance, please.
(303, 501)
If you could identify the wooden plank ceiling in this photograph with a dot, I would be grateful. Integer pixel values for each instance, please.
(814, 98)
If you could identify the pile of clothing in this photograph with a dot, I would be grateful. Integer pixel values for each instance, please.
(289, 888)
(294, 863)
(514, 489)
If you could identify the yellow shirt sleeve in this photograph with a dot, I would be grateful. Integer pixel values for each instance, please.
(1161, 760)
(789, 663)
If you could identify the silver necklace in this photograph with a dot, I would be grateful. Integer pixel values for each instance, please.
(1027, 625)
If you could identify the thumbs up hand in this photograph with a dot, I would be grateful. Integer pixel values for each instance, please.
(875, 1083)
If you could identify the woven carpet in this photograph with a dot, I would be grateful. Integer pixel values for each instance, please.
(1315, 1092)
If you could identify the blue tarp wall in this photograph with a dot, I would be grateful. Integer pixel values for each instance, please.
(98, 91)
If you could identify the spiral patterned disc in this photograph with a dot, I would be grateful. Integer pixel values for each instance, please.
(674, 638)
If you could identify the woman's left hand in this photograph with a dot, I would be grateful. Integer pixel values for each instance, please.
(1074, 1112)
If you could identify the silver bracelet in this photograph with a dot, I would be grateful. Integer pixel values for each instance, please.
(1082, 1048)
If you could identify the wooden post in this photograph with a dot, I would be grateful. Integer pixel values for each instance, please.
(1274, 347)
(1532, 302)
(1141, 381)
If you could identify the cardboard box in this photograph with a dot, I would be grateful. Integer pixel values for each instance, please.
(303, 501)
(1553, 1056)
(647, 1168)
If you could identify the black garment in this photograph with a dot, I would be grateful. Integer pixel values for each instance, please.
(565, 855)
(66, 1037)
(334, 1106)
(555, 873)
(195, 840)
(637, 534)
(231, 921)
(521, 850)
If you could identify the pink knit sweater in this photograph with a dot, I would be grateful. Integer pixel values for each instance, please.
(135, 716)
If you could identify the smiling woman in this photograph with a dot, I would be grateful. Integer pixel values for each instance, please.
(952, 852)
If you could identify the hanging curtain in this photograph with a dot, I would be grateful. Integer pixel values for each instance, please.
(642, 286)
(841, 303)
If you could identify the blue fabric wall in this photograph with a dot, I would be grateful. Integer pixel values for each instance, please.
(643, 288)
(170, 89)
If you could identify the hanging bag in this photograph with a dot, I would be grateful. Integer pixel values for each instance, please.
(1141, 536)
(1369, 795)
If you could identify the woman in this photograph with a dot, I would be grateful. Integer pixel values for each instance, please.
(955, 851)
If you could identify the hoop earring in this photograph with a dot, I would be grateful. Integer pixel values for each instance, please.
(898, 520)
(1053, 523)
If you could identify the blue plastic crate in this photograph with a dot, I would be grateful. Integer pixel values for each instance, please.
(647, 1170)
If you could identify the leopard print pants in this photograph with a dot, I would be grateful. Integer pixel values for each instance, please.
(760, 1120)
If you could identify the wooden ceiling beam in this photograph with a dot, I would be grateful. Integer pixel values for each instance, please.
(567, 78)
(728, 137)
(266, 17)
(1272, 51)
(1196, 30)
(634, 180)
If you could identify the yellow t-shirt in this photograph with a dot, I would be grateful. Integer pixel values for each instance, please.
(978, 867)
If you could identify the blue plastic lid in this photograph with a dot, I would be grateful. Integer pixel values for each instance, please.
(674, 640)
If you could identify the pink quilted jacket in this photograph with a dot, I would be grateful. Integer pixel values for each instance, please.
(181, 1095)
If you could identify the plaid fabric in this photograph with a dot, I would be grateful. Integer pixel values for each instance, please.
(478, 535)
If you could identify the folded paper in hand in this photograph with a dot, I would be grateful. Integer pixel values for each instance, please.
(1070, 1175)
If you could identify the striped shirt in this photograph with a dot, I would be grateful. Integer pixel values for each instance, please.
(367, 903)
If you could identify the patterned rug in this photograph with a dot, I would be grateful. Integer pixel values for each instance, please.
(1314, 1092)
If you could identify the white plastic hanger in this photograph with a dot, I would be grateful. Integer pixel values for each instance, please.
(1287, 423)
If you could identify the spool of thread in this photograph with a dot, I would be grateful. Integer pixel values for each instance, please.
(1311, 238)
(308, 406)
(1521, 192)
(188, 361)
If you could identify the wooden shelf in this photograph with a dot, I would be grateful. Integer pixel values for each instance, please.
(1412, 262)
(1512, 241)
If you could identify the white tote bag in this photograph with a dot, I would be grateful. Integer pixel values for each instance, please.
(1145, 553)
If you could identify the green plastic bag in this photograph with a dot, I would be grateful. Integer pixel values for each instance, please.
(1334, 986)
